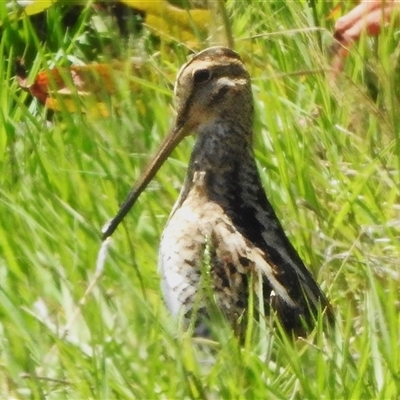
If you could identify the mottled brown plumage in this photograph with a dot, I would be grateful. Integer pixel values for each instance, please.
(223, 232)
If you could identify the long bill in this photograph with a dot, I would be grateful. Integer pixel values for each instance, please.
(174, 137)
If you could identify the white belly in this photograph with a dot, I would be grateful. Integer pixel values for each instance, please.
(181, 253)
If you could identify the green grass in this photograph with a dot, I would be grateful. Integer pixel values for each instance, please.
(329, 156)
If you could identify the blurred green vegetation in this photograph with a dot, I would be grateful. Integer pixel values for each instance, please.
(329, 155)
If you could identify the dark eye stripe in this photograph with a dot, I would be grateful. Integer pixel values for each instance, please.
(220, 94)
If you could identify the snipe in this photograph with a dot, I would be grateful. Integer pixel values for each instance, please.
(223, 229)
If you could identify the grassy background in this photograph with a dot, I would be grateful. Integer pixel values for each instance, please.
(329, 155)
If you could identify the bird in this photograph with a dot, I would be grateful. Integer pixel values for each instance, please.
(223, 243)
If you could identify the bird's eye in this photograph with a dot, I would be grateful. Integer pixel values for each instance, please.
(201, 75)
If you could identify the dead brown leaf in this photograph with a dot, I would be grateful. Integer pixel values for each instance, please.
(56, 87)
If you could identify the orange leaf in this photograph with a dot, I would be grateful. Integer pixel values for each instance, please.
(63, 84)
(335, 12)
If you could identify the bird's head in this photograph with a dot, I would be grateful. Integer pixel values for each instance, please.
(213, 85)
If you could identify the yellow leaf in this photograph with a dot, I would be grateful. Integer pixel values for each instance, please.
(28, 7)
(172, 22)
(65, 103)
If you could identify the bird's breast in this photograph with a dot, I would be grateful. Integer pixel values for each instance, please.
(182, 248)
